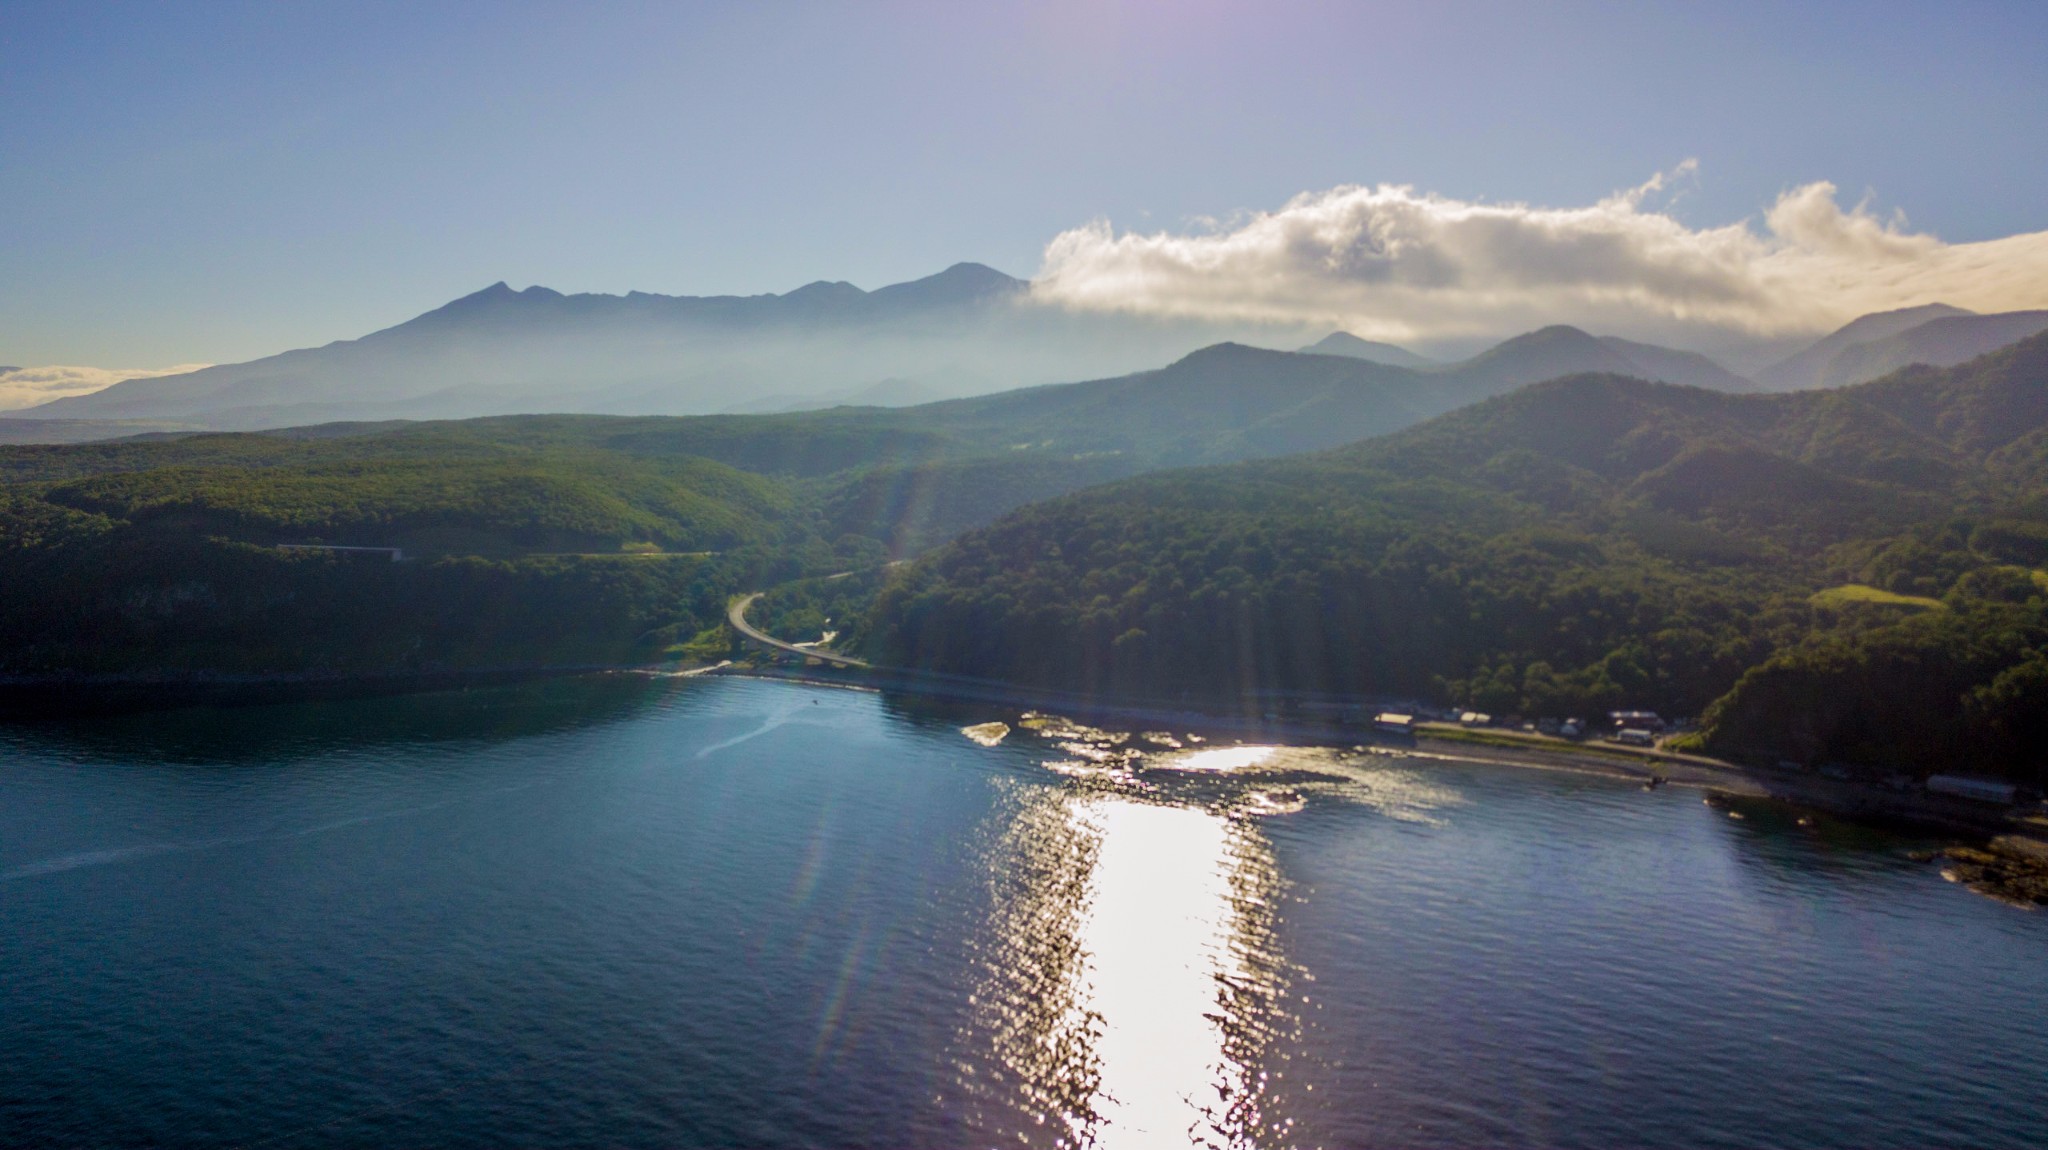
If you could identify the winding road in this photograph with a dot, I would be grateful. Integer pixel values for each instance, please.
(736, 614)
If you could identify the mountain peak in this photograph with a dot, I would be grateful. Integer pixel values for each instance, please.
(1225, 352)
(1345, 344)
(963, 283)
(1808, 368)
(496, 295)
(1557, 338)
(968, 273)
(826, 290)
(1555, 333)
(1941, 342)
(1898, 319)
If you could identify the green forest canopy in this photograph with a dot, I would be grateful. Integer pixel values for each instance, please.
(1587, 543)
(160, 555)
(1852, 574)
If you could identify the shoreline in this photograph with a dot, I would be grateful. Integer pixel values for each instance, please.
(32, 697)
(1998, 852)
(1716, 777)
(76, 695)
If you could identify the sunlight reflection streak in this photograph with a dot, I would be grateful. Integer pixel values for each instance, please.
(1132, 974)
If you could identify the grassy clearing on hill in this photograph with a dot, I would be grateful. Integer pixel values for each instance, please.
(1854, 594)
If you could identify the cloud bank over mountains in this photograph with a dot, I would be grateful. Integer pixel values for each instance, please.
(27, 386)
(1390, 263)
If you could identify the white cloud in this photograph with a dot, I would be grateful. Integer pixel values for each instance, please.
(1387, 262)
(27, 386)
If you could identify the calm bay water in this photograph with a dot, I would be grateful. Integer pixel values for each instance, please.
(631, 912)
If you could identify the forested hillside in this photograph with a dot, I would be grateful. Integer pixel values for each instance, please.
(1845, 574)
(543, 540)
(1851, 574)
(213, 555)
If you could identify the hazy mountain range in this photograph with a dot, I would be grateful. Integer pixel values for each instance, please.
(969, 329)
(1875, 345)
(1566, 545)
(966, 331)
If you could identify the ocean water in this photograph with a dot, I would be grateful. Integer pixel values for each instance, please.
(619, 911)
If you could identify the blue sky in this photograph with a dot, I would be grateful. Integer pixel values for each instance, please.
(213, 182)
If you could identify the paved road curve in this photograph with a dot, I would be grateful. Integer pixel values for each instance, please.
(737, 615)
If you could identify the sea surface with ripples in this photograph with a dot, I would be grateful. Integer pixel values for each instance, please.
(627, 911)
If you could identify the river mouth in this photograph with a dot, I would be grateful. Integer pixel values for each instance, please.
(748, 912)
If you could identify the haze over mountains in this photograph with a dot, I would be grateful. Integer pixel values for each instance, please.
(1536, 528)
(1937, 335)
(968, 330)
(1942, 342)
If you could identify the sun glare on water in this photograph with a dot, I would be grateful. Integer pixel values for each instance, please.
(1160, 930)
(1220, 759)
(1133, 974)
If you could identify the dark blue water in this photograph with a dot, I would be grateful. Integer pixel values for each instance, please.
(630, 912)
